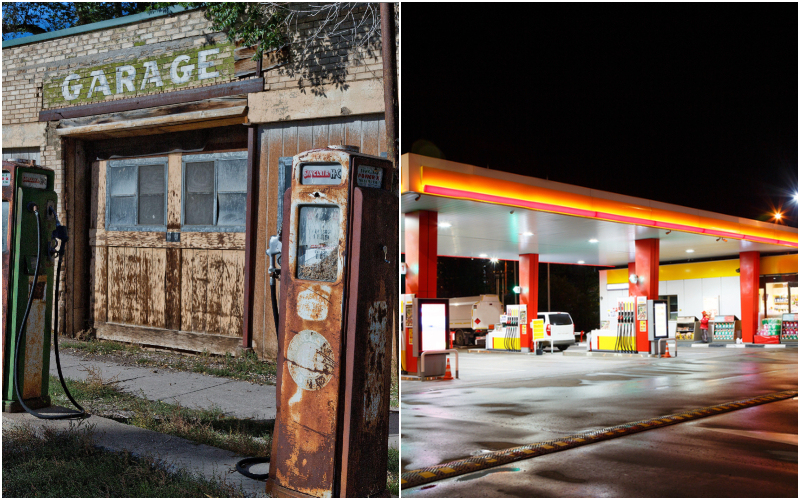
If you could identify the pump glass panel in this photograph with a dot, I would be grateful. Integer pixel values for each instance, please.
(318, 240)
(432, 319)
(320, 173)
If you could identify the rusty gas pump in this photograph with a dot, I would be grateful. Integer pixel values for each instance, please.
(338, 296)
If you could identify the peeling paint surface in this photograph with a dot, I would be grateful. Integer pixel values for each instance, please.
(376, 355)
(34, 341)
(312, 303)
(310, 360)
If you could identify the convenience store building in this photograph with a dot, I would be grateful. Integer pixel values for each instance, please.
(745, 268)
(171, 149)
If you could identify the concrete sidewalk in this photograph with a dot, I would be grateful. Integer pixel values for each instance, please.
(236, 398)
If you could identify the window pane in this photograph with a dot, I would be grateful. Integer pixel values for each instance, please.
(232, 176)
(199, 177)
(122, 180)
(232, 209)
(198, 209)
(151, 210)
(122, 211)
(317, 255)
(151, 179)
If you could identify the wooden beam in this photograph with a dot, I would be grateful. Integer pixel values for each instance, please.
(156, 121)
(149, 101)
(250, 235)
(188, 341)
(137, 239)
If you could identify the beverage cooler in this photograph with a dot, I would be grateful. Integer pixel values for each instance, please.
(688, 328)
(789, 327)
(725, 328)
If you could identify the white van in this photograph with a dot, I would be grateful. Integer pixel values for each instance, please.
(559, 327)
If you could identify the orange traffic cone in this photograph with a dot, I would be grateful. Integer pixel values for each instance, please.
(447, 374)
(666, 354)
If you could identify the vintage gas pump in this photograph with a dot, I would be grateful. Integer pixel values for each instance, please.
(338, 296)
(31, 235)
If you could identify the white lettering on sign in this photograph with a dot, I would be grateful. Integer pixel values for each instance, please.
(369, 176)
(179, 73)
(321, 174)
(6, 179)
(71, 93)
(35, 181)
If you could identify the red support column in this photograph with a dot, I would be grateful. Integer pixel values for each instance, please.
(633, 288)
(646, 265)
(749, 272)
(421, 253)
(529, 293)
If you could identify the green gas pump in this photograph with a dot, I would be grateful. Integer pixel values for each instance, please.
(32, 239)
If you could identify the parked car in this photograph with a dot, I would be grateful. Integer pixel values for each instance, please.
(559, 327)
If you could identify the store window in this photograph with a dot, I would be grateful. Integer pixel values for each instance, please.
(136, 194)
(214, 192)
(672, 305)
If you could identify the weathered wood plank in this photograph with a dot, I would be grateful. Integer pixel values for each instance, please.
(236, 295)
(116, 283)
(369, 134)
(199, 290)
(382, 147)
(352, 133)
(157, 111)
(197, 342)
(99, 284)
(143, 239)
(158, 271)
(320, 133)
(174, 193)
(100, 222)
(131, 305)
(172, 289)
(144, 290)
(215, 275)
(336, 132)
(187, 288)
(305, 136)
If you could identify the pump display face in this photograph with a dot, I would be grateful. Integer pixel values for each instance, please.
(321, 173)
(432, 322)
(317, 243)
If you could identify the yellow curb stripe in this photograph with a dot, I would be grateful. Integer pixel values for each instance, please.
(419, 477)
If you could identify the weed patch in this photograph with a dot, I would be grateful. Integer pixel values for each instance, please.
(65, 463)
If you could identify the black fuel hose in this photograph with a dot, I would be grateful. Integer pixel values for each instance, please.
(82, 413)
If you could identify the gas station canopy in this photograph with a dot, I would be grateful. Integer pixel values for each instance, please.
(486, 213)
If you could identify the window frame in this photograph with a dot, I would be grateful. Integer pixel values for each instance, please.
(136, 162)
(210, 157)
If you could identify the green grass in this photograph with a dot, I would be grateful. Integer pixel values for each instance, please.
(242, 436)
(393, 471)
(59, 464)
(247, 367)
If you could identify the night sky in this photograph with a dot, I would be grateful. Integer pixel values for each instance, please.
(692, 104)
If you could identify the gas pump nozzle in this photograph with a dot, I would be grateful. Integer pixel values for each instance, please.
(274, 252)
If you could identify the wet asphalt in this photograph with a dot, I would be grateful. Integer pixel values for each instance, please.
(504, 400)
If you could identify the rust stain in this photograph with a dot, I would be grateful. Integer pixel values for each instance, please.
(310, 360)
(312, 303)
(34, 341)
(376, 357)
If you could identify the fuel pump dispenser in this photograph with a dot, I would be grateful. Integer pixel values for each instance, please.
(657, 325)
(337, 299)
(32, 239)
(408, 362)
(512, 332)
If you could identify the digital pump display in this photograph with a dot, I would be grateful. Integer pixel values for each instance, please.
(433, 323)
(317, 243)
